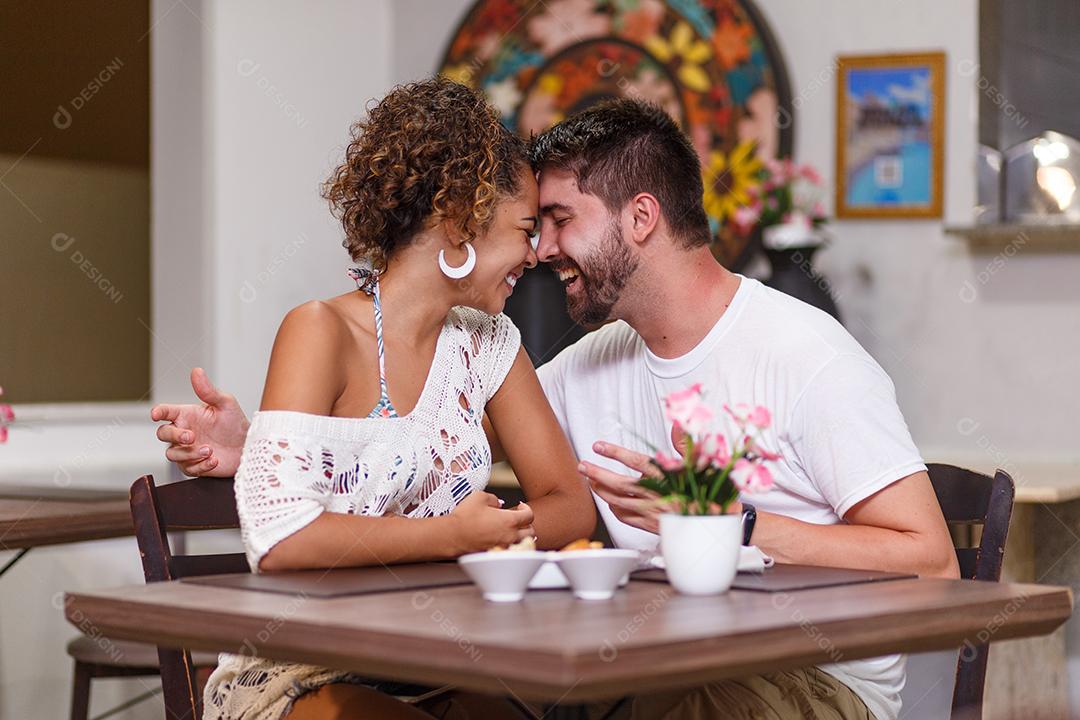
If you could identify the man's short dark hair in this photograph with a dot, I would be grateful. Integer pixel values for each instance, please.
(619, 148)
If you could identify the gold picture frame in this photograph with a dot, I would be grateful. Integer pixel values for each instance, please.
(890, 123)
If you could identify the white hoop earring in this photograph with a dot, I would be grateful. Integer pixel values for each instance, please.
(456, 273)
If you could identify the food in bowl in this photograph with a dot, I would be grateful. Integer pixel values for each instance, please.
(582, 544)
(523, 545)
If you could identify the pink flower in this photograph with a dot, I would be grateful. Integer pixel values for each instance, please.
(745, 218)
(808, 172)
(788, 169)
(751, 477)
(7, 416)
(765, 454)
(760, 416)
(685, 409)
(668, 463)
(714, 450)
(797, 217)
(739, 413)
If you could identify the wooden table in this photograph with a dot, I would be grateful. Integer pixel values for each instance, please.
(32, 516)
(551, 647)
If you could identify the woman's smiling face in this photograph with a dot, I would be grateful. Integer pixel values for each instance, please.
(504, 249)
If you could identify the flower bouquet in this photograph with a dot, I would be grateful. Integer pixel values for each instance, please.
(699, 538)
(786, 205)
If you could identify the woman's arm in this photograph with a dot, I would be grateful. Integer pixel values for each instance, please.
(306, 375)
(530, 436)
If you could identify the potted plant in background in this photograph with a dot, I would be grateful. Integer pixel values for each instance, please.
(785, 205)
(699, 538)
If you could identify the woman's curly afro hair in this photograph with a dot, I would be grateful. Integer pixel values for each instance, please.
(427, 152)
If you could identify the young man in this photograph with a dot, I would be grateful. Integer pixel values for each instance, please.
(623, 226)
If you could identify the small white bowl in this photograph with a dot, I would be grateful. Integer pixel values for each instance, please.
(502, 576)
(549, 577)
(594, 574)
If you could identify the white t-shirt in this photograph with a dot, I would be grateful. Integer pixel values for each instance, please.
(835, 420)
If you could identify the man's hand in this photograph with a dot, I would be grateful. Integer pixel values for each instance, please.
(204, 439)
(631, 503)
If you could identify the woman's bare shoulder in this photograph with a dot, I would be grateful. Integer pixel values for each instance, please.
(306, 373)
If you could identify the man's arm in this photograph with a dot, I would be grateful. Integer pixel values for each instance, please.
(204, 439)
(897, 529)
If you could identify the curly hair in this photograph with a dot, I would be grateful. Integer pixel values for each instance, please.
(432, 150)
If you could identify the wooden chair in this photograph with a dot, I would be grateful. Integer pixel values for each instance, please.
(204, 505)
(971, 499)
(195, 504)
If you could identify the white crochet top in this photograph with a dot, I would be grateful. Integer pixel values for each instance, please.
(295, 466)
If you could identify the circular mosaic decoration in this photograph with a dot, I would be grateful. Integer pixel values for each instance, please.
(711, 64)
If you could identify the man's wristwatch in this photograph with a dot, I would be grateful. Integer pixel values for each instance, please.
(749, 518)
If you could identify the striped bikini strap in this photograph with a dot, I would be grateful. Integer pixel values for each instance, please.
(384, 394)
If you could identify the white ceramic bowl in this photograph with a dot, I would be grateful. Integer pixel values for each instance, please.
(502, 576)
(594, 574)
(549, 577)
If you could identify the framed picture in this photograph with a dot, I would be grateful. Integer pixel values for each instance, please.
(890, 113)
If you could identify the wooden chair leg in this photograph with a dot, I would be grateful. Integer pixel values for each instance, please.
(80, 692)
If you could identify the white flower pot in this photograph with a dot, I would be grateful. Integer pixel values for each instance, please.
(701, 552)
(792, 235)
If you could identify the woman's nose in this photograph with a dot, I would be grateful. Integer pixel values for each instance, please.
(530, 259)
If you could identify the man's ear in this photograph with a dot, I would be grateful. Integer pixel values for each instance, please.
(644, 210)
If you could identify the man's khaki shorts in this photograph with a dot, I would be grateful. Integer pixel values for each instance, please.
(795, 694)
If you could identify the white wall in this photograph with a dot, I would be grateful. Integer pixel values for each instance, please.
(1005, 360)
(271, 99)
(286, 83)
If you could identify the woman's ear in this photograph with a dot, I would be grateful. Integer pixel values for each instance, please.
(452, 238)
(644, 211)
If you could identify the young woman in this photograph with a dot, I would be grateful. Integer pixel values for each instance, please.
(371, 443)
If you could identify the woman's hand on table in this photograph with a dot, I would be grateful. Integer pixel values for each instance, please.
(204, 439)
(478, 523)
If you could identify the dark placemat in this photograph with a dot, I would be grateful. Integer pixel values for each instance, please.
(344, 581)
(788, 578)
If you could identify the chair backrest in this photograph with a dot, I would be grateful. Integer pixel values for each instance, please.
(195, 504)
(968, 498)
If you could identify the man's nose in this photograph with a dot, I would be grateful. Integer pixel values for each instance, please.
(548, 248)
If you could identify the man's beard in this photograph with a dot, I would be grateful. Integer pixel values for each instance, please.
(604, 274)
